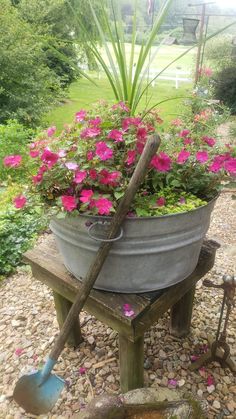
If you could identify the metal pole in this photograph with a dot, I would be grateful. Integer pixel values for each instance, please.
(204, 43)
(200, 43)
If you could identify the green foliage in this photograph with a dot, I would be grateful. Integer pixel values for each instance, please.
(225, 87)
(28, 88)
(18, 229)
(218, 52)
(14, 139)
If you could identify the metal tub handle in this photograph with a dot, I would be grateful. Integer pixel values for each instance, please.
(104, 240)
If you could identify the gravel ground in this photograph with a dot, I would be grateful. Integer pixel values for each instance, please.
(28, 324)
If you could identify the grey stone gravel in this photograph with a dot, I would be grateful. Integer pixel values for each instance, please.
(28, 326)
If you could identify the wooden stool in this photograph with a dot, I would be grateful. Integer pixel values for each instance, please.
(107, 307)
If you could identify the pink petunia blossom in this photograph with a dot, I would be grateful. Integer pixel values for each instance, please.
(182, 200)
(194, 358)
(210, 380)
(142, 134)
(103, 205)
(90, 155)
(90, 132)
(12, 161)
(81, 115)
(95, 122)
(86, 195)
(68, 202)
(230, 166)
(109, 178)
(42, 169)
(103, 151)
(131, 155)
(49, 158)
(71, 165)
(183, 156)
(130, 121)
(93, 174)
(161, 162)
(161, 202)
(202, 156)
(184, 133)
(37, 178)
(80, 176)
(51, 131)
(20, 201)
(116, 135)
(215, 167)
(209, 141)
(34, 153)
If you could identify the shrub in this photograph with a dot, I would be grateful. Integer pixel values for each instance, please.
(14, 138)
(225, 87)
(18, 229)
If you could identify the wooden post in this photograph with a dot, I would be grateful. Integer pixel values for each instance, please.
(131, 363)
(62, 306)
(181, 314)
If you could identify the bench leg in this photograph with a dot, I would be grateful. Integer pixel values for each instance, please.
(131, 363)
(62, 307)
(181, 314)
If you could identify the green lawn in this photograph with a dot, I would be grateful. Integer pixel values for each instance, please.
(83, 93)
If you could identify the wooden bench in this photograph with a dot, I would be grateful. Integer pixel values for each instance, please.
(107, 307)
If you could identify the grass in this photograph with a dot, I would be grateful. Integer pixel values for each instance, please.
(82, 94)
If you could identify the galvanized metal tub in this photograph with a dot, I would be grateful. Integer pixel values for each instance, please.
(154, 252)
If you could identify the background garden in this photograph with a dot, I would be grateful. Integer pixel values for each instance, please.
(47, 74)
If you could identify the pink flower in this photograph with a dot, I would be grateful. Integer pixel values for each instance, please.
(177, 122)
(230, 166)
(121, 105)
(209, 141)
(12, 161)
(19, 351)
(71, 165)
(62, 153)
(95, 122)
(194, 358)
(37, 178)
(20, 201)
(42, 169)
(161, 162)
(34, 153)
(80, 176)
(131, 155)
(127, 309)
(68, 202)
(90, 132)
(103, 205)
(205, 71)
(49, 158)
(215, 167)
(90, 155)
(187, 141)
(142, 134)
(202, 156)
(93, 174)
(82, 370)
(86, 195)
(184, 133)
(109, 178)
(182, 200)
(172, 383)
(161, 202)
(103, 151)
(51, 131)
(116, 135)
(130, 121)
(183, 156)
(210, 380)
(79, 116)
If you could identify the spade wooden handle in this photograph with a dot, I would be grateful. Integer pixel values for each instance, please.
(137, 178)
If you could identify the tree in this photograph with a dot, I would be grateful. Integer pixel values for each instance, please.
(27, 86)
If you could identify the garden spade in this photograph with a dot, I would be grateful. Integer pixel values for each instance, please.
(38, 392)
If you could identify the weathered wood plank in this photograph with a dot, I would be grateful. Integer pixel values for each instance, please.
(181, 314)
(62, 306)
(131, 355)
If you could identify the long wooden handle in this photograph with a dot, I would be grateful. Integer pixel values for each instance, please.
(137, 178)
